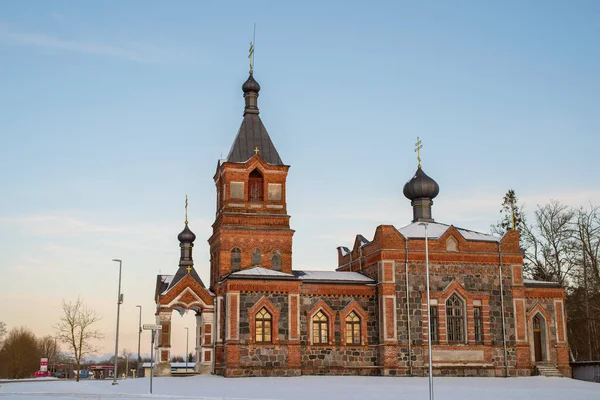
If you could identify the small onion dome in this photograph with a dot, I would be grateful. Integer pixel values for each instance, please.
(250, 85)
(186, 236)
(421, 186)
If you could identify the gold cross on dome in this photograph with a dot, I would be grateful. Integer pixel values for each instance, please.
(189, 268)
(186, 209)
(256, 150)
(418, 147)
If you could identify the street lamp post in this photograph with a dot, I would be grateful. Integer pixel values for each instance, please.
(139, 359)
(428, 315)
(54, 358)
(187, 335)
(119, 301)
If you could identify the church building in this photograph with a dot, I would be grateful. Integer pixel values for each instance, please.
(367, 316)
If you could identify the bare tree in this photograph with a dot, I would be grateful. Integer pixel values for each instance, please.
(583, 303)
(75, 329)
(20, 356)
(49, 349)
(2, 332)
(550, 243)
(588, 232)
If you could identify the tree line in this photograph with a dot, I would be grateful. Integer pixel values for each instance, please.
(21, 351)
(561, 244)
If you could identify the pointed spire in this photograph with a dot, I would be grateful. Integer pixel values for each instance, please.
(186, 261)
(252, 134)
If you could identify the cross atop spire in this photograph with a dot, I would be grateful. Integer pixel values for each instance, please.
(418, 147)
(251, 56)
(186, 209)
(251, 51)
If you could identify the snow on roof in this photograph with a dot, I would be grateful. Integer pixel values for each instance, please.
(260, 271)
(345, 250)
(435, 230)
(363, 240)
(332, 276)
(540, 283)
(166, 278)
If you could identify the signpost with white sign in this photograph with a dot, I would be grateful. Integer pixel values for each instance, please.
(44, 364)
(153, 328)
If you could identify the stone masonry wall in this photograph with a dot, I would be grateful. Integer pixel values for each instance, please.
(482, 279)
(248, 300)
(339, 358)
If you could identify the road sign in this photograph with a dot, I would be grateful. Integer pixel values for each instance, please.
(153, 327)
(44, 364)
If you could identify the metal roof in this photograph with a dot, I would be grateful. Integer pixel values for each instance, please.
(261, 271)
(332, 276)
(252, 135)
(311, 276)
(435, 230)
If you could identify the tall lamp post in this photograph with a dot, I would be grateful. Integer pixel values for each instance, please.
(119, 301)
(187, 335)
(139, 359)
(428, 314)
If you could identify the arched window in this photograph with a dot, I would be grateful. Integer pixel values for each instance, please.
(236, 259)
(256, 257)
(255, 186)
(276, 260)
(320, 330)
(352, 328)
(455, 319)
(263, 326)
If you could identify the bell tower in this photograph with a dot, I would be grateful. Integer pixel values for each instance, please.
(252, 227)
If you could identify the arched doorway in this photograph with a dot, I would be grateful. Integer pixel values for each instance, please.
(539, 338)
(187, 295)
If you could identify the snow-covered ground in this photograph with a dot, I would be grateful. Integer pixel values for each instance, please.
(307, 387)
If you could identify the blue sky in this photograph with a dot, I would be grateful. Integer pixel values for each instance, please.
(113, 111)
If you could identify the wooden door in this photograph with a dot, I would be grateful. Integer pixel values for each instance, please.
(537, 339)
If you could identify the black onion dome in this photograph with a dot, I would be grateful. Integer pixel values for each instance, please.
(421, 186)
(186, 236)
(250, 85)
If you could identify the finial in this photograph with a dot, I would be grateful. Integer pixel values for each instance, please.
(186, 209)
(418, 147)
(189, 268)
(256, 150)
(251, 51)
(251, 56)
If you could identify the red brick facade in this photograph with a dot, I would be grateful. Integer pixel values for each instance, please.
(483, 308)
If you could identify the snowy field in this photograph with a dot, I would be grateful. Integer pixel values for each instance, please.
(307, 387)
